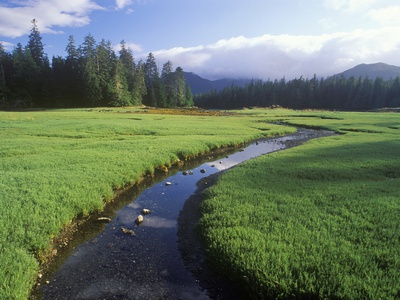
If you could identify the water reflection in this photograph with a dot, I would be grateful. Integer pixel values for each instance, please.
(146, 264)
(157, 222)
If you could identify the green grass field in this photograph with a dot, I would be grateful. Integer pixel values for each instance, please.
(57, 164)
(319, 221)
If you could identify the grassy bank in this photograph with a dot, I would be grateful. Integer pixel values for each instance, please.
(57, 164)
(320, 221)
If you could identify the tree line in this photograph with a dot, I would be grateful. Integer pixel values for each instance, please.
(336, 92)
(92, 74)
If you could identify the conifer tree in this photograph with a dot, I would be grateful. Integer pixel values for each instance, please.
(139, 90)
(168, 80)
(73, 75)
(26, 74)
(151, 70)
(127, 70)
(128, 62)
(5, 63)
(40, 74)
(122, 96)
(106, 68)
(180, 87)
(90, 71)
(36, 46)
(188, 96)
(152, 78)
(159, 94)
(59, 83)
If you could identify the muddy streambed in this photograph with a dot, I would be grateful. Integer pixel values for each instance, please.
(113, 264)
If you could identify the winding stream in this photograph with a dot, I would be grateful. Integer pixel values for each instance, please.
(148, 264)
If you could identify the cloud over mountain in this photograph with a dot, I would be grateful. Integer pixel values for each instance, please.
(275, 56)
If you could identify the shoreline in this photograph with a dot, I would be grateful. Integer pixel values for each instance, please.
(192, 248)
(75, 232)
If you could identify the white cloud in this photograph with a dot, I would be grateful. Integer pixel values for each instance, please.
(15, 17)
(133, 47)
(191, 58)
(7, 46)
(386, 16)
(122, 3)
(275, 56)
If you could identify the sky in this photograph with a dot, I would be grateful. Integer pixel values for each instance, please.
(263, 39)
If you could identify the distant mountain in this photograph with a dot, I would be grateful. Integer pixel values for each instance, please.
(372, 71)
(199, 85)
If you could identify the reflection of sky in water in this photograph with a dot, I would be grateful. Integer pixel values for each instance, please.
(128, 217)
(249, 152)
(157, 222)
(134, 205)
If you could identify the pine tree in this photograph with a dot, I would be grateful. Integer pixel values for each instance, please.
(126, 74)
(40, 81)
(5, 61)
(128, 62)
(168, 80)
(106, 68)
(36, 46)
(139, 90)
(151, 70)
(90, 71)
(159, 94)
(26, 74)
(393, 99)
(189, 96)
(59, 83)
(73, 76)
(380, 92)
(122, 96)
(180, 87)
(152, 78)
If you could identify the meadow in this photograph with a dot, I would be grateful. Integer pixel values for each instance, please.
(56, 165)
(318, 221)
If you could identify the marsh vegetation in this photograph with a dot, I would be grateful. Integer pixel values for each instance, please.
(58, 164)
(316, 221)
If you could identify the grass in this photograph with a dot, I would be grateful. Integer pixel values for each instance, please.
(58, 164)
(320, 221)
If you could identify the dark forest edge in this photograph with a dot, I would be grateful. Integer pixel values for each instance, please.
(91, 74)
(336, 92)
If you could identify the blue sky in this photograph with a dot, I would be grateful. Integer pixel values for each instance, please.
(221, 38)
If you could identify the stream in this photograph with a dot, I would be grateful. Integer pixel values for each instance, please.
(113, 263)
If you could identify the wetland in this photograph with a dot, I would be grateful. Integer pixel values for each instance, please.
(152, 263)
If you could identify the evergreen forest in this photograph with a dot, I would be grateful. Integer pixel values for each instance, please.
(336, 92)
(91, 74)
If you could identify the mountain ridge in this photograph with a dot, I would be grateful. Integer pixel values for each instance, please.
(199, 85)
(372, 71)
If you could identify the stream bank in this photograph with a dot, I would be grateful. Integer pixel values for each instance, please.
(148, 264)
(189, 241)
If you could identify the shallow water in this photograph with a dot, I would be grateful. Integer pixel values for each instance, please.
(147, 265)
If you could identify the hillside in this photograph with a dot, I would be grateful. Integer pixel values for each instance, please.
(372, 71)
(199, 85)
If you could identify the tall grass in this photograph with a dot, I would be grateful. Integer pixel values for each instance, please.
(320, 221)
(57, 164)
